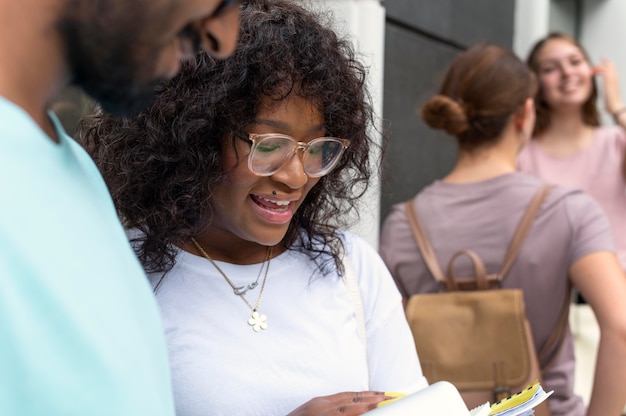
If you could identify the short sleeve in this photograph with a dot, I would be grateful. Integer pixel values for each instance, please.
(591, 228)
(620, 139)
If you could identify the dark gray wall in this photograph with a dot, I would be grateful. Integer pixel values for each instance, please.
(421, 39)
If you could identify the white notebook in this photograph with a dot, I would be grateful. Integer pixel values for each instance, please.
(443, 399)
(438, 399)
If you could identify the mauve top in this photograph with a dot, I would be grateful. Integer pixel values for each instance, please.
(483, 216)
(596, 170)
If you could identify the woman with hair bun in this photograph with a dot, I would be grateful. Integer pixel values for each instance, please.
(486, 103)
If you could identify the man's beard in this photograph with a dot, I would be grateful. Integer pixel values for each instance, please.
(107, 69)
(120, 97)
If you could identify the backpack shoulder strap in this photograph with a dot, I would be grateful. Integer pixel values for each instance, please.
(515, 245)
(426, 249)
(557, 335)
(523, 228)
(357, 300)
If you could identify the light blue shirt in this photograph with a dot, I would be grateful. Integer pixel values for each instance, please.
(80, 332)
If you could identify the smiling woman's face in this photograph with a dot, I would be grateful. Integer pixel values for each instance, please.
(565, 75)
(259, 209)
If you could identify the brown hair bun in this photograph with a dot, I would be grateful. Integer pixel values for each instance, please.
(441, 112)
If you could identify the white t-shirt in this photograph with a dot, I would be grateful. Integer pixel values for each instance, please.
(311, 347)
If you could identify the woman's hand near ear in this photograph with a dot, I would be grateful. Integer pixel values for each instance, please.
(611, 92)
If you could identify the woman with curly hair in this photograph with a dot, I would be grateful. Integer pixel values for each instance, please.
(234, 185)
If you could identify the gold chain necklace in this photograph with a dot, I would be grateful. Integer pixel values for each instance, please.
(257, 321)
(241, 290)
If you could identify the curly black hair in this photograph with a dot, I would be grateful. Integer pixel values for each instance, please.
(162, 164)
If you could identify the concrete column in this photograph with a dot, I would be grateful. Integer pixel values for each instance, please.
(364, 22)
(531, 23)
(602, 35)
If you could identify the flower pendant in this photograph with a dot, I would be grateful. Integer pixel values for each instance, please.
(258, 321)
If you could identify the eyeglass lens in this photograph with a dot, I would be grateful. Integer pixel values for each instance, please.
(271, 153)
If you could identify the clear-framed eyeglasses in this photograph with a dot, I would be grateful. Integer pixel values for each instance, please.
(270, 152)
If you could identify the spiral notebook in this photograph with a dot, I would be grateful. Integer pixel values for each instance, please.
(443, 399)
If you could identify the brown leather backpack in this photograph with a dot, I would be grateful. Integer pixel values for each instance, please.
(473, 333)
